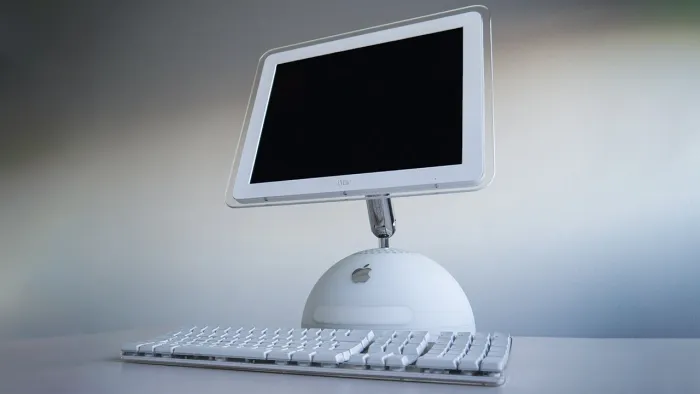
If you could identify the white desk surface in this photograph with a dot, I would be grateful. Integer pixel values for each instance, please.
(89, 364)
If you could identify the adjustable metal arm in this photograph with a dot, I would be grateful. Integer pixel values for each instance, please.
(381, 219)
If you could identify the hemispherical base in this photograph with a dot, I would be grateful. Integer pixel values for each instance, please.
(388, 288)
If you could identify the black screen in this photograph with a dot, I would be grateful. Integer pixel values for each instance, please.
(391, 106)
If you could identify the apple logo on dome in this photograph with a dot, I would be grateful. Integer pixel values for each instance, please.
(361, 275)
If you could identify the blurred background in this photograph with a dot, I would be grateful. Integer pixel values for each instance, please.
(118, 124)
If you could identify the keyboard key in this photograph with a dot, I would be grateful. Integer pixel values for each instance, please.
(314, 332)
(149, 348)
(327, 335)
(189, 350)
(165, 349)
(440, 347)
(293, 343)
(266, 343)
(383, 340)
(365, 336)
(413, 349)
(402, 336)
(400, 361)
(459, 348)
(493, 364)
(284, 332)
(280, 355)
(228, 352)
(479, 343)
(353, 347)
(477, 350)
(481, 338)
(445, 362)
(378, 360)
(470, 363)
(298, 337)
(206, 332)
(435, 353)
(358, 359)
(419, 336)
(499, 335)
(444, 339)
(393, 348)
(247, 352)
(385, 333)
(330, 356)
(497, 351)
(500, 341)
(303, 355)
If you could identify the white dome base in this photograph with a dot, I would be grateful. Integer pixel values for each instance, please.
(388, 288)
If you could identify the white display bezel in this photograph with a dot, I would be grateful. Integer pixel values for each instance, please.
(469, 174)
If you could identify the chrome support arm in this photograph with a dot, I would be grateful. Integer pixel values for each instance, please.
(381, 219)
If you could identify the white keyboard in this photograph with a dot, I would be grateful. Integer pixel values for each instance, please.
(447, 357)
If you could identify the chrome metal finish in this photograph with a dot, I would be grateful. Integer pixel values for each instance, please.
(383, 242)
(381, 219)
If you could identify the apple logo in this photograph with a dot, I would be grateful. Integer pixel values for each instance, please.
(361, 275)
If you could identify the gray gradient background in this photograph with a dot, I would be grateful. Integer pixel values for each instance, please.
(119, 121)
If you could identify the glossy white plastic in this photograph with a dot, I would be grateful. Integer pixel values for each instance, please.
(477, 169)
(380, 289)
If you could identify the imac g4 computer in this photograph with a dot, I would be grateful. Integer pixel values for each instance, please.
(398, 110)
